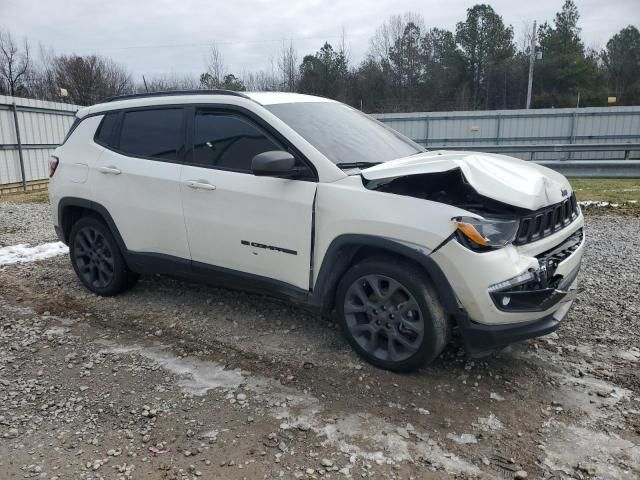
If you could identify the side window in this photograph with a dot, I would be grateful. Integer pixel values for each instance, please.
(228, 141)
(152, 133)
(104, 135)
(74, 125)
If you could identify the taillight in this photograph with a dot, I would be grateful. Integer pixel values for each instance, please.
(53, 164)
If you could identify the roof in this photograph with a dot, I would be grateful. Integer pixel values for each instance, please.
(272, 98)
(196, 96)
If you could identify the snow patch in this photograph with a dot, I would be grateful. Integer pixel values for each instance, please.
(23, 253)
(196, 376)
(464, 438)
(597, 203)
(488, 424)
(360, 436)
(56, 331)
(603, 455)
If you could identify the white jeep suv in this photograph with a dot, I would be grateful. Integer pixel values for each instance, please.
(308, 199)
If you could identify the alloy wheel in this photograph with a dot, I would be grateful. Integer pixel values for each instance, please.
(94, 257)
(384, 318)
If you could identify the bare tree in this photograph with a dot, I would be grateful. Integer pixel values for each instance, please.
(216, 68)
(166, 83)
(15, 64)
(262, 80)
(343, 48)
(288, 66)
(387, 34)
(87, 80)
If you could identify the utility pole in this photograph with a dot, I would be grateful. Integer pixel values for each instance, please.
(532, 59)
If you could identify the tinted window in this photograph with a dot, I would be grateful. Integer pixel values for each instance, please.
(228, 141)
(343, 134)
(152, 133)
(104, 136)
(76, 122)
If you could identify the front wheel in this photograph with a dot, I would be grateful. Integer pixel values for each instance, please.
(96, 258)
(391, 315)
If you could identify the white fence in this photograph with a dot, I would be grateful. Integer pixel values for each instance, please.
(41, 127)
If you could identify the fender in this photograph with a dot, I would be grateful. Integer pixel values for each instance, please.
(343, 249)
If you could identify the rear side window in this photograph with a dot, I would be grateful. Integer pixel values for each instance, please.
(76, 122)
(105, 134)
(152, 133)
(228, 141)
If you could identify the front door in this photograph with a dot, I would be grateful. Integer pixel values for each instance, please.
(238, 221)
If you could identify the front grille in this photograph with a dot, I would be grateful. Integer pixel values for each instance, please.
(547, 221)
(558, 254)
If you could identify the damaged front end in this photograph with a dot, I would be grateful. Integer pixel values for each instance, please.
(541, 289)
(493, 223)
(449, 187)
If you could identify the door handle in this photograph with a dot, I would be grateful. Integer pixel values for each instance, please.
(200, 185)
(109, 170)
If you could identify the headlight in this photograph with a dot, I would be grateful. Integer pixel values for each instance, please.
(479, 234)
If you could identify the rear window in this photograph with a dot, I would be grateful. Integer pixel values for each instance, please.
(152, 133)
(105, 134)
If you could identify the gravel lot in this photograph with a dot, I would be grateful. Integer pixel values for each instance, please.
(178, 380)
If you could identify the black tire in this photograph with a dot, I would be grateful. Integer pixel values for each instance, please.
(398, 324)
(97, 260)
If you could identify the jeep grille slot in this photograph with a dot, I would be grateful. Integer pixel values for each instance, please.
(547, 221)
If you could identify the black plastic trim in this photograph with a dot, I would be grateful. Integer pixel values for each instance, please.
(479, 338)
(156, 263)
(342, 250)
(174, 93)
(94, 207)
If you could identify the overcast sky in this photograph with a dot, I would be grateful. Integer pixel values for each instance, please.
(171, 36)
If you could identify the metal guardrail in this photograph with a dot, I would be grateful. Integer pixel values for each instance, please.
(623, 168)
(565, 147)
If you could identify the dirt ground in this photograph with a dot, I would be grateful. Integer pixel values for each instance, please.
(176, 380)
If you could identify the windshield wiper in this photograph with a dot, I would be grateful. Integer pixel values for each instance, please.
(357, 164)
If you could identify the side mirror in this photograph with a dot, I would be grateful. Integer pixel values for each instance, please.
(276, 163)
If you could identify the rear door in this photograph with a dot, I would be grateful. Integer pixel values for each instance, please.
(235, 220)
(137, 178)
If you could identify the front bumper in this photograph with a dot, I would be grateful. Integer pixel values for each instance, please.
(487, 320)
(481, 338)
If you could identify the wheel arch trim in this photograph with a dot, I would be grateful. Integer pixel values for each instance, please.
(342, 250)
(92, 206)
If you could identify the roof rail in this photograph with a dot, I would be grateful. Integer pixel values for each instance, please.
(175, 92)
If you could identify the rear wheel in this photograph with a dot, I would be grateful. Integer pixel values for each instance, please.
(391, 315)
(96, 258)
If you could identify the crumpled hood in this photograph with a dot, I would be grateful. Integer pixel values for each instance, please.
(506, 179)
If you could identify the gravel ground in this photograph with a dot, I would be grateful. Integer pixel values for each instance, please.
(178, 380)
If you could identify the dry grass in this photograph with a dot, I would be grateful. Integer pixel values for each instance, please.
(40, 196)
(613, 190)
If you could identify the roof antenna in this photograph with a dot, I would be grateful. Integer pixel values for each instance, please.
(145, 84)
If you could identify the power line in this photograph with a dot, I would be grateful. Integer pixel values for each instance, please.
(208, 44)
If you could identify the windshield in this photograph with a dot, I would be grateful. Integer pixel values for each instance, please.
(344, 135)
